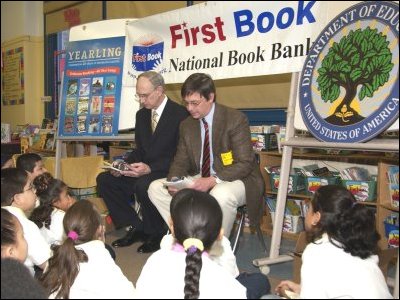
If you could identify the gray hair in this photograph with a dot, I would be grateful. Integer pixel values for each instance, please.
(155, 78)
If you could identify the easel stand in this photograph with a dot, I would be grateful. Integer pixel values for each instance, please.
(61, 139)
(381, 145)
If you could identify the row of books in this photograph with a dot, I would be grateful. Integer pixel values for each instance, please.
(294, 207)
(351, 173)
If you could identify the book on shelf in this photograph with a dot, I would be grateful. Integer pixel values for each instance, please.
(393, 178)
(273, 169)
(355, 173)
(309, 169)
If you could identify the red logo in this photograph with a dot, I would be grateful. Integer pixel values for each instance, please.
(71, 16)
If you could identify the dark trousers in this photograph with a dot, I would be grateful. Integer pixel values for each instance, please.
(118, 194)
(257, 284)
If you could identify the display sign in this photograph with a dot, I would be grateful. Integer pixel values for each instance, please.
(91, 88)
(224, 39)
(349, 86)
(12, 77)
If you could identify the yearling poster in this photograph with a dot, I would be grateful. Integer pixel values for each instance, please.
(92, 87)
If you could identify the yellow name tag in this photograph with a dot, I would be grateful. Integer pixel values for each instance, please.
(227, 158)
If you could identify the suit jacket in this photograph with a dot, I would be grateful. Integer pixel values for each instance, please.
(158, 149)
(231, 132)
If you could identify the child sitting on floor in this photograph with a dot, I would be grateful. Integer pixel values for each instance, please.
(341, 260)
(81, 267)
(186, 270)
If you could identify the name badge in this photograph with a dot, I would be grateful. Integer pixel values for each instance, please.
(227, 158)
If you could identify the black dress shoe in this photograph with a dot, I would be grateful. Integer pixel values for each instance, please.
(131, 237)
(151, 245)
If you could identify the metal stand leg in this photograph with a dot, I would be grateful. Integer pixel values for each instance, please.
(239, 231)
(261, 238)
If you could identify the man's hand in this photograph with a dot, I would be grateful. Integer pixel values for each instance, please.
(204, 184)
(137, 170)
(115, 173)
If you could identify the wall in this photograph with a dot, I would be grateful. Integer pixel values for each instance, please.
(22, 25)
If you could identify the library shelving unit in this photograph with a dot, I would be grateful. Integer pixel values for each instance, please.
(291, 141)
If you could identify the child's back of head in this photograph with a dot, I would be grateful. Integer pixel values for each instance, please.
(31, 163)
(82, 224)
(197, 221)
(345, 221)
(18, 283)
(27, 161)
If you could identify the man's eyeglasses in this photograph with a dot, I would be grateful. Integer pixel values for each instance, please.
(192, 103)
(139, 97)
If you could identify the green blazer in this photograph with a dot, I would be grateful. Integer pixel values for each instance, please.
(230, 133)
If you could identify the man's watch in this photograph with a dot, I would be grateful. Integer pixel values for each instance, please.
(217, 180)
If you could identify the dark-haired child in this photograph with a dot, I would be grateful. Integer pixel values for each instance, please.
(18, 197)
(54, 201)
(13, 243)
(341, 260)
(81, 267)
(31, 163)
(186, 270)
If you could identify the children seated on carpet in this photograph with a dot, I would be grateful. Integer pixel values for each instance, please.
(18, 197)
(186, 270)
(341, 260)
(81, 267)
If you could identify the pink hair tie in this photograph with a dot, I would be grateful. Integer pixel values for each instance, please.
(73, 235)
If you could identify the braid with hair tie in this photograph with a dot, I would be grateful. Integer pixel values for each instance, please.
(191, 243)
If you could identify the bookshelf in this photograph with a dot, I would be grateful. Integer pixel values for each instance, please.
(381, 203)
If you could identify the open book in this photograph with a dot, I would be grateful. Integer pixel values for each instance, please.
(109, 166)
(179, 183)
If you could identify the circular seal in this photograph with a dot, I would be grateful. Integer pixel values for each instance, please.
(349, 85)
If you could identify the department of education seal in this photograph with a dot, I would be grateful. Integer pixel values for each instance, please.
(349, 85)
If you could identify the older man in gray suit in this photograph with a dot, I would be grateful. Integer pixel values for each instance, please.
(215, 151)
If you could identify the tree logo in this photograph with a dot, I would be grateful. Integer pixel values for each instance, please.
(349, 88)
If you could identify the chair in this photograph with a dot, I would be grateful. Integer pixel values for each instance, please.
(239, 229)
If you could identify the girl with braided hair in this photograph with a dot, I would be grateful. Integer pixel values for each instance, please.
(186, 270)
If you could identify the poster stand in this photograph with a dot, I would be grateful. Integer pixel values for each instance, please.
(61, 139)
(381, 145)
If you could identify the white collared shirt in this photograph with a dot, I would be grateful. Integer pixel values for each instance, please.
(160, 109)
(327, 272)
(54, 234)
(162, 277)
(99, 277)
(38, 249)
(209, 119)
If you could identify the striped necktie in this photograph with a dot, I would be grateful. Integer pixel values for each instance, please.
(154, 120)
(205, 169)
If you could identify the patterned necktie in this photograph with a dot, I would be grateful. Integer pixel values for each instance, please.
(154, 121)
(205, 169)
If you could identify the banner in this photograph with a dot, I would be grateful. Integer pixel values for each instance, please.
(12, 76)
(224, 39)
(91, 88)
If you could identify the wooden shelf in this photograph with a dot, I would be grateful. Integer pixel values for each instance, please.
(372, 156)
(389, 206)
(381, 203)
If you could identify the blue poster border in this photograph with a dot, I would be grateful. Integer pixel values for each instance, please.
(91, 89)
